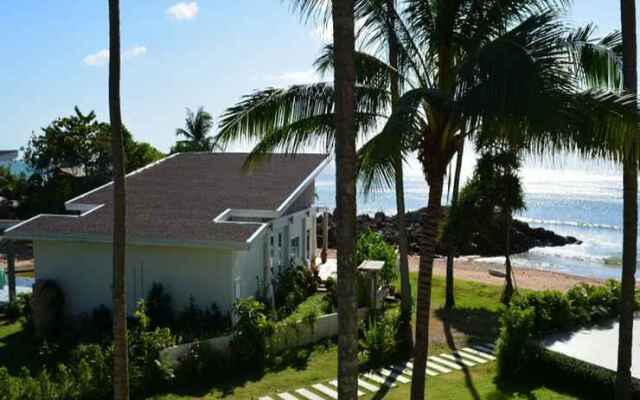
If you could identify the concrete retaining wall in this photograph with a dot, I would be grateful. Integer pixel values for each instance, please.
(286, 337)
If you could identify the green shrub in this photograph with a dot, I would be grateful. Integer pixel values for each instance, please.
(330, 300)
(292, 286)
(194, 323)
(159, 306)
(372, 246)
(535, 315)
(379, 344)
(250, 333)
(201, 362)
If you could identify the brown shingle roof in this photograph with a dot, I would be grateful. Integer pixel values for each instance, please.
(177, 199)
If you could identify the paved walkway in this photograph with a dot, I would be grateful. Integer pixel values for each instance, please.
(372, 381)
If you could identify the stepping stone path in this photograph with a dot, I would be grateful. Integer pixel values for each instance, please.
(372, 381)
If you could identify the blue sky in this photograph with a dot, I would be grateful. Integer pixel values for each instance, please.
(176, 56)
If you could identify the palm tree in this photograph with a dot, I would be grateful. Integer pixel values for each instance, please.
(503, 67)
(120, 351)
(450, 299)
(630, 209)
(345, 144)
(195, 133)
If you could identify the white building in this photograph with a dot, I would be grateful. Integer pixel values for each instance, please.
(196, 222)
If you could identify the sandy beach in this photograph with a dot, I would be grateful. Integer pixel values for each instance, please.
(528, 278)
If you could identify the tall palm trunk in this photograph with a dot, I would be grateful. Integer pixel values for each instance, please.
(630, 210)
(508, 287)
(403, 247)
(120, 357)
(345, 148)
(450, 300)
(430, 223)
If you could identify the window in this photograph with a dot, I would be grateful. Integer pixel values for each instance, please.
(279, 239)
(308, 243)
(295, 247)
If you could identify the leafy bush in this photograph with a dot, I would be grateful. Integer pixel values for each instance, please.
(193, 323)
(159, 307)
(372, 246)
(330, 300)
(202, 362)
(379, 344)
(292, 286)
(535, 315)
(250, 333)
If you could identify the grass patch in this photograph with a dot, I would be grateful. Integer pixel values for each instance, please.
(313, 304)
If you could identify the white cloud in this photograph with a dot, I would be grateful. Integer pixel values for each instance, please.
(102, 57)
(183, 11)
(99, 58)
(293, 78)
(135, 51)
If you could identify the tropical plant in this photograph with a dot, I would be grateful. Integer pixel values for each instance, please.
(195, 133)
(120, 353)
(372, 246)
(511, 68)
(499, 191)
(630, 208)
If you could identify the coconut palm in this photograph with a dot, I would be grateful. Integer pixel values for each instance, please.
(509, 66)
(630, 211)
(195, 133)
(120, 352)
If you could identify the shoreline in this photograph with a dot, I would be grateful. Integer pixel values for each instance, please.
(526, 278)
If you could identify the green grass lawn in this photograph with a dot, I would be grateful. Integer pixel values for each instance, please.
(475, 318)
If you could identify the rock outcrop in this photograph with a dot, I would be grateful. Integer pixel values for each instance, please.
(523, 236)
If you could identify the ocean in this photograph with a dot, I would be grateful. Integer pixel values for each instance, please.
(567, 195)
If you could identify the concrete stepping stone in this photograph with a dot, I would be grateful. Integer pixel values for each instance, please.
(484, 349)
(490, 345)
(287, 396)
(432, 368)
(308, 395)
(458, 360)
(402, 369)
(334, 383)
(325, 390)
(470, 357)
(478, 353)
(393, 375)
(437, 368)
(265, 398)
(379, 379)
(361, 383)
(445, 363)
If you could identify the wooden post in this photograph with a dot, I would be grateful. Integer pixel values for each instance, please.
(11, 270)
(325, 236)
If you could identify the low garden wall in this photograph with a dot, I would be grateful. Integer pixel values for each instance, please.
(287, 336)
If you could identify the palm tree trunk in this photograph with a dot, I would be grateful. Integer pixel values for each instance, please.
(450, 300)
(430, 223)
(403, 247)
(508, 288)
(120, 357)
(345, 147)
(630, 211)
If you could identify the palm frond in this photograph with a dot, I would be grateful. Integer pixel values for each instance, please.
(597, 61)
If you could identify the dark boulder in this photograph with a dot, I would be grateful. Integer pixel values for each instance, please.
(523, 236)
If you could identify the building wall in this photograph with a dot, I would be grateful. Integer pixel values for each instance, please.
(84, 272)
(292, 226)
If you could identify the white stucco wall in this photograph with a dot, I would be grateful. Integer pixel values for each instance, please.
(84, 272)
(291, 226)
